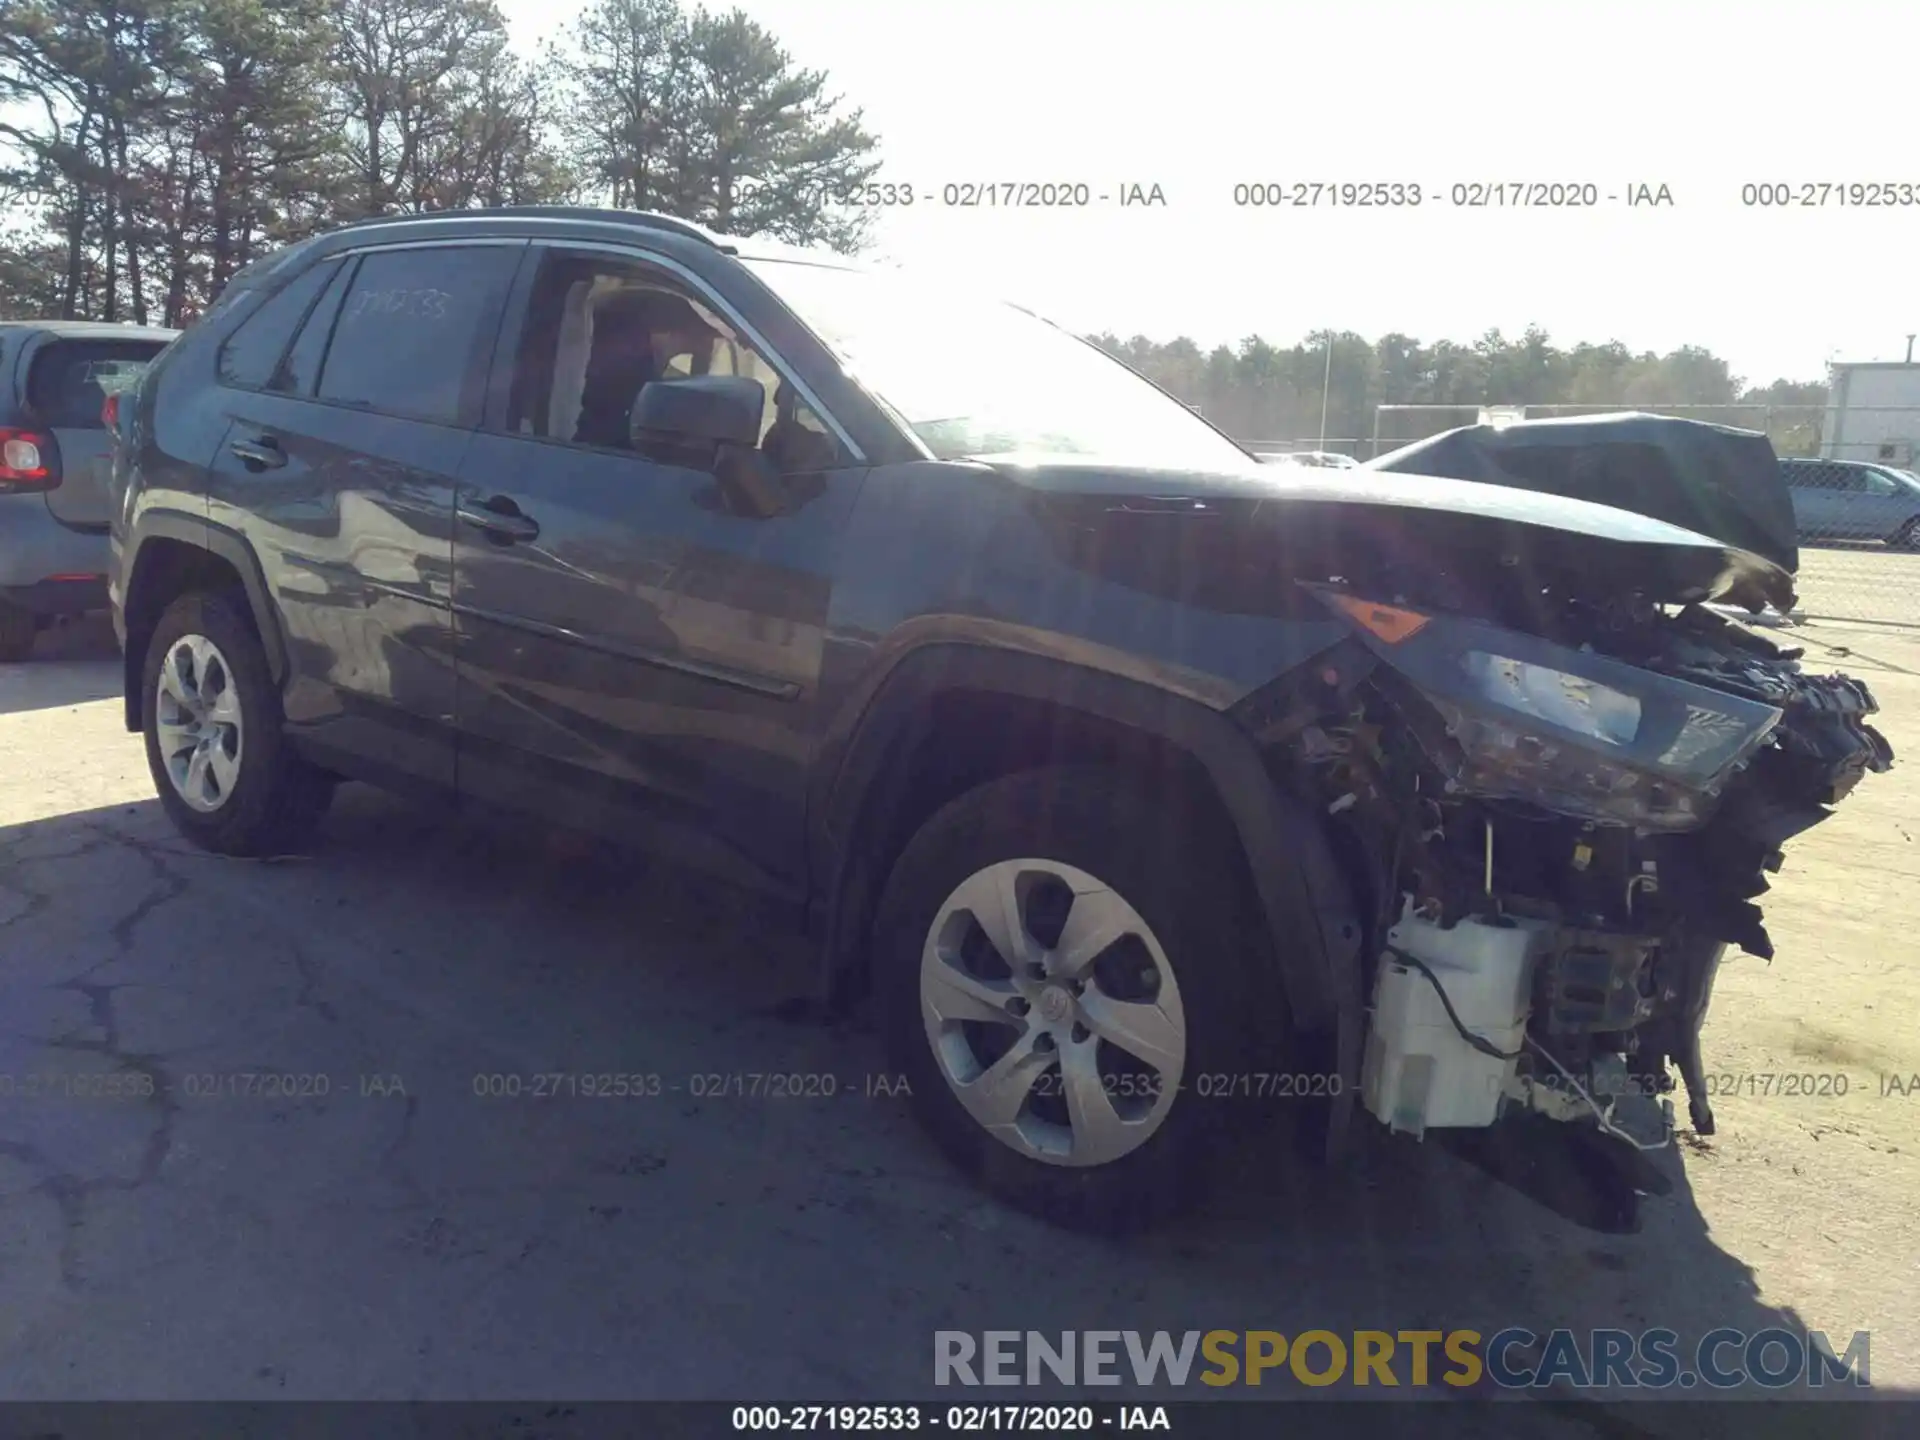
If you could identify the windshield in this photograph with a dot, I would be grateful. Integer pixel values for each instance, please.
(975, 377)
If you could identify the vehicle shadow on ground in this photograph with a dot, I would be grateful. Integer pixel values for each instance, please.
(64, 669)
(825, 1238)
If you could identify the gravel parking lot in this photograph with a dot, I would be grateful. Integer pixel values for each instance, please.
(169, 1230)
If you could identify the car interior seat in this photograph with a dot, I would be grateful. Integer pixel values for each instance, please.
(620, 361)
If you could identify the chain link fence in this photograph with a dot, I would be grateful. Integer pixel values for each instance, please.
(1853, 473)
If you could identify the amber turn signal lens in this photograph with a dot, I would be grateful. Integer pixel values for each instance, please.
(1386, 622)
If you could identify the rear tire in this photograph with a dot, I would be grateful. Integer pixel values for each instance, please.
(224, 771)
(18, 627)
(1907, 537)
(1162, 872)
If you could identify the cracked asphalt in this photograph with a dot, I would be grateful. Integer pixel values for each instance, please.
(247, 1149)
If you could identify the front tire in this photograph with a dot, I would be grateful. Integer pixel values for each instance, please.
(221, 764)
(1063, 964)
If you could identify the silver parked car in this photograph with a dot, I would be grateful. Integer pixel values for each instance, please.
(1852, 500)
(55, 377)
(1317, 459)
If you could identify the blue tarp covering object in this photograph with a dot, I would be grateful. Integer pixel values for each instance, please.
(1712, 479)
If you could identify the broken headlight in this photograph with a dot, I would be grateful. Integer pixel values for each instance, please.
(1520, 718)
(1570, 701)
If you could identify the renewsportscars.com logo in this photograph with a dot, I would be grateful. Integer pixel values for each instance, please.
(1513, 1358)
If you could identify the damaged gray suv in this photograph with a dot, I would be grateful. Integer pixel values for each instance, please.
(1149, 792)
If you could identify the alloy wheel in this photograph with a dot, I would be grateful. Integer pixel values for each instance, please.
(1053, 1012)
(198, 722)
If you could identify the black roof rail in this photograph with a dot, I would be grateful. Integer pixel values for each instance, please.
(650, 219)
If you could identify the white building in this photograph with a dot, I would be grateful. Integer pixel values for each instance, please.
(1873, 412)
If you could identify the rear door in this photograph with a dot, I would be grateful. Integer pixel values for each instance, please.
(1861, 503)
(1796, 479)
(1820, 499)
(1811, 503)
(66, 381)
(349, 395)
(1853, 517)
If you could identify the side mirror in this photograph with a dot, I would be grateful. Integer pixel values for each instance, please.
(712, 423)
(700, 409)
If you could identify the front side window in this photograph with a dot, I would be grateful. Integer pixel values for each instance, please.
(975, 378)
(410, 328)
(599, 330)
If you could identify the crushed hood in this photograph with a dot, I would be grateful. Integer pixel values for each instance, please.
(1719, 481)
(1237, 534)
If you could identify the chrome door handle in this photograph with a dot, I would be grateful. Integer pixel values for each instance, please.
(261, 453)
(498, 517)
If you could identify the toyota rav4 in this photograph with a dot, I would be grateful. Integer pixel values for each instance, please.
(1145, 789)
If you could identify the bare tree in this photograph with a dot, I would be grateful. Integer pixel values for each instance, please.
(402, 70)
(87, 69)
(495, 149)
(251, 140)
(705, 116)
(149, 149)
(623, 73)
(768, 149)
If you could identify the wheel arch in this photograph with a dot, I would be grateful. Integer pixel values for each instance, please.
(1302, 893)
(173, 553)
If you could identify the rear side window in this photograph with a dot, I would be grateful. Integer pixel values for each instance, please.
(413, 327)
(251, 355)
(71, 379)
(1819, 475)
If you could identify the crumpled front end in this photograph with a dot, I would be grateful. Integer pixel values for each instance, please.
(1563, 829)
(1712, 479)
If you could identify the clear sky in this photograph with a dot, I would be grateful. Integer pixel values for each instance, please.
(1199, 95)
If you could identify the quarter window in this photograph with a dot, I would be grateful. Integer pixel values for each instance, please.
(301, 367)
(252, 352)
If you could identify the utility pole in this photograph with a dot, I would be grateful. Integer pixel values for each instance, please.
(1326, 391)
(1909, 349)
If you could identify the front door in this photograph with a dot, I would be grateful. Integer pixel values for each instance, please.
(1884, 507)
(639, 654)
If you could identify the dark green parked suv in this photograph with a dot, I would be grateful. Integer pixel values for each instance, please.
(1153, 792)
